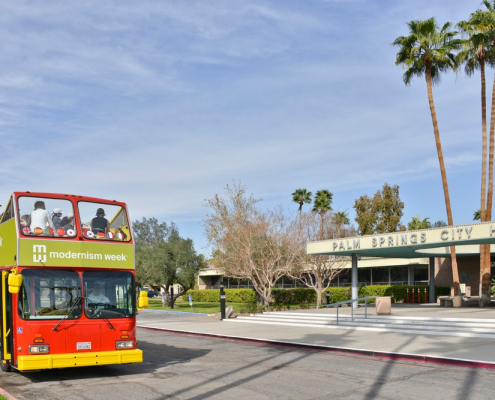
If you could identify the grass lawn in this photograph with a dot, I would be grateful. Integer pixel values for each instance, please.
(198, 307)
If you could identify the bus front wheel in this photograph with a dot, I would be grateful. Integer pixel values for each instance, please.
(5, 367)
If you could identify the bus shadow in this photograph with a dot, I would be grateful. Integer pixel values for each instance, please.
(156, 358)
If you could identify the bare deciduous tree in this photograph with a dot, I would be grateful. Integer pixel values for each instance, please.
(251, 243)
(316, 271)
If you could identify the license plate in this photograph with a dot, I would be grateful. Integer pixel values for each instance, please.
(84, 346)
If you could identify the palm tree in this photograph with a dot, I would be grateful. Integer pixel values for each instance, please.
(477, 51)
(486, 23)
(418, 223)
(322, 204)
(477, 216)
(429, 51)
(341, 218)
(301, 196)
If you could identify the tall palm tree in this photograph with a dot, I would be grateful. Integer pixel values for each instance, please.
(301, 196)
(341, 218)
(429, 51)
(477, 51)
(486, 23)
(322, 204)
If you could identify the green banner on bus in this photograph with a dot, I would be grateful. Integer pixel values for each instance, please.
(72, 253)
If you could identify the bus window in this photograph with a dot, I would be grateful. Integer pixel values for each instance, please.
(50, 294)
(8, 213)
(108, 294)
(104, 221)
(46, 217)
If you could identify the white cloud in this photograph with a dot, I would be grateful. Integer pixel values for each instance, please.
(161, 104)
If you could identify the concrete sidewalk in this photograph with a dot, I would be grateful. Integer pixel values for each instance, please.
(468, 351)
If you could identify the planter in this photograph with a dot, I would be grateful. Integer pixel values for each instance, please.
(457, 301)
(384, 305)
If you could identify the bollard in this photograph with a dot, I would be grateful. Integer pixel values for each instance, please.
(407, 293)
(222, 302)
(327, 295)
(172, 297)
(426, 298)
(413, 295)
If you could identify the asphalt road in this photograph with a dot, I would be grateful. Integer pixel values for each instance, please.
(180, 366)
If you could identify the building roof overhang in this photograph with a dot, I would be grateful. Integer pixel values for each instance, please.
(434, 242)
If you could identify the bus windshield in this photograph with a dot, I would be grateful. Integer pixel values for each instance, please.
(50, 294)
(104, 221)
(46, 217)
(108, 294)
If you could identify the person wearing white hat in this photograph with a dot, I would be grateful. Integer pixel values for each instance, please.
(57, 213)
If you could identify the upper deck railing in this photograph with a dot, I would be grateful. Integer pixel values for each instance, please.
(46, 229)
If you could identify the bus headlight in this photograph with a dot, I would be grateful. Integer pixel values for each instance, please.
(40, 348)
(125, 344)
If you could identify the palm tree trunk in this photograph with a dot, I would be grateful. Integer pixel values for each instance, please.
(486, 273)
(321, 225)
(484, 142)
(443, 173)
(485, 266)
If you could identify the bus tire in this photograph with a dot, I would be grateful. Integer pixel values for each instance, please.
(5, 367)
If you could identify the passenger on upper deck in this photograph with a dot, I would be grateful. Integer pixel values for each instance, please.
(56, 217)
(100, 223)
(40, 218)
(70, 224)
(25, 220)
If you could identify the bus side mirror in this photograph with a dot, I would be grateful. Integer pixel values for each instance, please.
(143, 299)
(15, 282)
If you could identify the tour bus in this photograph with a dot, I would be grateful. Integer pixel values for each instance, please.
(67, 290)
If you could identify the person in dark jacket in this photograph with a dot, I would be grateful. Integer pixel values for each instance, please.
(56, 217)
(69, 225)
(100, 223)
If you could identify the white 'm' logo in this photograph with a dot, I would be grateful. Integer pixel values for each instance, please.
(39, 253)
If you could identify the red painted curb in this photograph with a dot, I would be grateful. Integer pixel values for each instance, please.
(457, 362)
(6, 394)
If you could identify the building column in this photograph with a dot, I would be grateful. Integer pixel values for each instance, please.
(354, 276)
(432, 297)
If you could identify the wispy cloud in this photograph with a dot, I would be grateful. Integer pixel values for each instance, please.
(161, 104)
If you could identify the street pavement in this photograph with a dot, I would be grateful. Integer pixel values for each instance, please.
(432, 348)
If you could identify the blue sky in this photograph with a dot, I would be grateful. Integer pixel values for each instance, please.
(162, 103)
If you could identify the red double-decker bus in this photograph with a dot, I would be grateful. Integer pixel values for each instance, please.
(67, 290)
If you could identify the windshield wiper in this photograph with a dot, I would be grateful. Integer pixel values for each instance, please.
(97, 312)
(78, 299)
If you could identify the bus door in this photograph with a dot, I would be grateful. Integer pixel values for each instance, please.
(7, 335)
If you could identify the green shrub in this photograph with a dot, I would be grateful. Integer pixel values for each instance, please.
(231, 295)
(284, 298)
(337, 294)
(293, 296)
(251, 308)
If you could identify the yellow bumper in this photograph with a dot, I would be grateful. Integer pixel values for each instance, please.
(49, 361)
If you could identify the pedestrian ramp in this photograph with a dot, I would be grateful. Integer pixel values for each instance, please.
(464, 327)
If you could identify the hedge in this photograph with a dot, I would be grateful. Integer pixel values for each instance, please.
(231, 295)
(304, 296)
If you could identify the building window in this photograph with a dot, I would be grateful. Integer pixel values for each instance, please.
(398, 276)
(420, 275)
(381, 276)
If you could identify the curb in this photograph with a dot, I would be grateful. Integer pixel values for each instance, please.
(457, 362)
(6, 394)
(180, 312)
